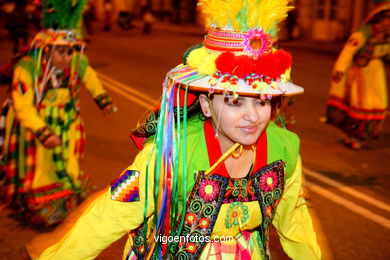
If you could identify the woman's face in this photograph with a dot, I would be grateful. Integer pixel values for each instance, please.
(239, 122)
(61, 56)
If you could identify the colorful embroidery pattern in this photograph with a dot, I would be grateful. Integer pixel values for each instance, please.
(269, 181)
(236, 215)
(126, 187)
(204, 203)
(138, 237)
(240, 190)
(208, 190)
(269, 186)
(202, 210)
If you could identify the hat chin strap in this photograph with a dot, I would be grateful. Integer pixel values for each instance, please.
(229, 152)
(214, 116)
(224, 157)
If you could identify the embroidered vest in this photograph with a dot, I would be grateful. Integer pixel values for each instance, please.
(205, 200)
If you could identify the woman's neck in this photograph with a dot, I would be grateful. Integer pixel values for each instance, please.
(240, 164)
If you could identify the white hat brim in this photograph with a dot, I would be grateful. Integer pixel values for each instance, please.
(200, 83)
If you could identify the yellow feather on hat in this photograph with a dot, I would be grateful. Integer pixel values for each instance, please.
(242, 15)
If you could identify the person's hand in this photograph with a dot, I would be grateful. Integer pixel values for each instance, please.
(109, 109)
(52, 141)
(337, 76)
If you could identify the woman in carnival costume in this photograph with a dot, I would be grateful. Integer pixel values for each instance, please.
(358, 95)
(226, 171)
(44, 133)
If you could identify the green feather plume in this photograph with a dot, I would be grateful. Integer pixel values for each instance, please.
(62, 14)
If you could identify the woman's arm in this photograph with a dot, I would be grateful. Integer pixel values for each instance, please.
(293, 221)
(354, 43)
(22, 94)
(102, 221)
(95, 87)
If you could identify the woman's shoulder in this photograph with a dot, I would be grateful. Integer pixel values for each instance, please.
(282, 136)
(26, 62)
(283, 145)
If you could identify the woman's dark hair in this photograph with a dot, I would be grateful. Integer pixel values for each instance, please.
(276, 104)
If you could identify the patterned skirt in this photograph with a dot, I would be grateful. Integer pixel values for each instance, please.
(357, 105)
(38, 182)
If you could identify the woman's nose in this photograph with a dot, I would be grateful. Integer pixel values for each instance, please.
(251, 114)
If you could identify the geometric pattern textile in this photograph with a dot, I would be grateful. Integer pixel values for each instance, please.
(126, 187)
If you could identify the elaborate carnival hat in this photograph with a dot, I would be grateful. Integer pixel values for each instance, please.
(380, 6)
(236, 58)
(61, 20)
(238, 55)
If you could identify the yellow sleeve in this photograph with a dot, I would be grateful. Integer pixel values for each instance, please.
(102, 222)
(293, 221)
(92, 82)
(354, 43)
(22, 94)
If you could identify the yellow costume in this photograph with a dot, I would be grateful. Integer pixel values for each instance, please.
(45, 184)
(358, 102)
(106, 220)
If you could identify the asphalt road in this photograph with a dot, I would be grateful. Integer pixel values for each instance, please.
(351, 203)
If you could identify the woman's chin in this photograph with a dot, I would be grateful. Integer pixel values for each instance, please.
(248, 140)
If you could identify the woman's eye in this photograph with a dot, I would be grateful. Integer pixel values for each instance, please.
(261, 103)
(234, 102)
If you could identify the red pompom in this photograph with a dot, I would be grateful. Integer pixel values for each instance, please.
(243, 65)
(225, 62)
(285, 60)
(266, 65)
(274, 64)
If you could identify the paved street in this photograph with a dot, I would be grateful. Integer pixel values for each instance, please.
(348, 190)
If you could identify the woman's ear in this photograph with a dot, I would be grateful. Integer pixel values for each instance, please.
(205, 105)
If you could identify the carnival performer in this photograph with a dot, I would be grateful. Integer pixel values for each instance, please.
(212, 166)
(358, 94)
(44, 133)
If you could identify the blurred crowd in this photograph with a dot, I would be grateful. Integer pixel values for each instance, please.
(21, 19)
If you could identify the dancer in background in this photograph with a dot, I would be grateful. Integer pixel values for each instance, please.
(43, 137)
(358, 94)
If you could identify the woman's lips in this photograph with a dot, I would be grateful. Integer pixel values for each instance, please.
(250, 129)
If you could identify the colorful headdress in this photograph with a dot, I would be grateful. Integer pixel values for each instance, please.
(238, 53)
(60, 20)
(236, 57)
(380, 6)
